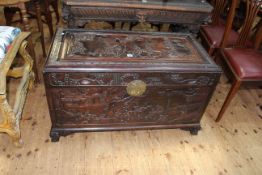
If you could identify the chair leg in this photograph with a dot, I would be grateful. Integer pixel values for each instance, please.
(40, 26)
(210, 51)
(54, 4)
(49, 20)
(26, 82)
(10, 124)
(235, 87)
(9, 14)
(30, 42)
(11, 117)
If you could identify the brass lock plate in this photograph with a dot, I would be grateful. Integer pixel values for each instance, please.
(136, 88)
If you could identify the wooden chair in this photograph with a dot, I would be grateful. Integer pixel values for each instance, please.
(10, 11)
(45, 12)
(211, 35)
(11, 116)
(245, 64)
(21, 5)
(44, 7)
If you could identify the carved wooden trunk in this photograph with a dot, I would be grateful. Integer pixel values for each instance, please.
(99, 81)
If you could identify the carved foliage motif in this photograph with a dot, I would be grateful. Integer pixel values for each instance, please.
(111, 79)
(136, 14)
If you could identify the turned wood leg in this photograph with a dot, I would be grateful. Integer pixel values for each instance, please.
(26, 81)
(235, 87)
(10, 124)
(54, 4)
(30, 42)
(8, 13)
(40, 26)
(49, 20)
(11, 117)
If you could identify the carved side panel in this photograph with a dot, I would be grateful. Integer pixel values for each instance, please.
(78, 16)
(141, 15)
(112, 105)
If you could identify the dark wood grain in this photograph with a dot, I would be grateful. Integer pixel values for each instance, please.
(191, 14)
(86, 93)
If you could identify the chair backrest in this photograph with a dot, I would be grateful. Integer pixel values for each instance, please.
(258, 40)
(252, 7)
(229, 22)
(219, 8)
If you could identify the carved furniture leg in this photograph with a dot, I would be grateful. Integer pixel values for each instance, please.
(9, 13)
(30, 42)
(26, 82)
(40, 26)
(10, 123)
(54, 4)
(48, 18)
(54, 136)
(193, 130)
(11, 117)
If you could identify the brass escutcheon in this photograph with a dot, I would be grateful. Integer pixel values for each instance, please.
(136, 88)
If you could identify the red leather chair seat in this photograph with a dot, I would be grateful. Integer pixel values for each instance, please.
(215, 34)
(247, 63)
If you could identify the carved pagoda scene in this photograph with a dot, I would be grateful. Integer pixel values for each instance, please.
(127, 46)
(119, 87)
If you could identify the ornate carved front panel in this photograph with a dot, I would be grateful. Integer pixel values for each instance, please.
(122, 79)
(112, 105)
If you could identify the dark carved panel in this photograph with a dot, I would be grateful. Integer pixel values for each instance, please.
(120, 79)
(94, 45)
(142, 15)
(103, 106)
(190, 13)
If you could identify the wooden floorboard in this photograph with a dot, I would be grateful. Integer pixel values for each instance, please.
(233, 146)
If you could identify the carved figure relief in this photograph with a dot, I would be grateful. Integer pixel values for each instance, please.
(98, 105)
(93, 45)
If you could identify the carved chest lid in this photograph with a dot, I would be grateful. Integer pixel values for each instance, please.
(82, 50)
(183, 5)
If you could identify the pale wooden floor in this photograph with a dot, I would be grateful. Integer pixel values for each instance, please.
(233, 146)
